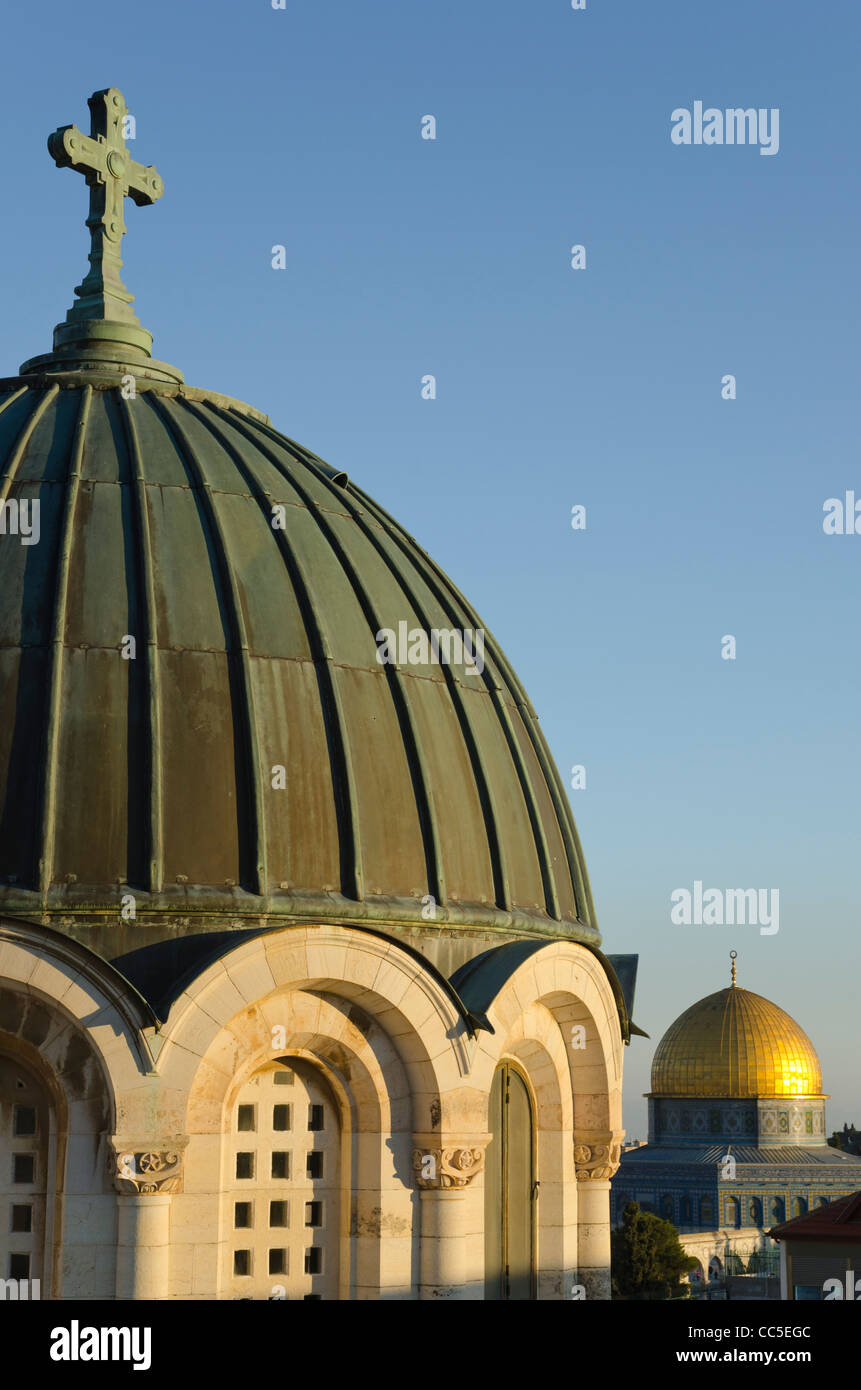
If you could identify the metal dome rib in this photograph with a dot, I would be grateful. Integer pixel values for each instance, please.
(435, 868)
(565, 820)
(149, 528)
(494, 657)
(351, 860)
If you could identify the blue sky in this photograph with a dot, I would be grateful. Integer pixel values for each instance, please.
(554, 387)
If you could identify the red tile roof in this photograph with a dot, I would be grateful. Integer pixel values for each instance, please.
(840, 1220)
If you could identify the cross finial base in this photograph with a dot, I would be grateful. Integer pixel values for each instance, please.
(105, 348)
(95, 351)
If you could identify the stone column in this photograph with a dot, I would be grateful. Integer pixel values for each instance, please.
(449, 1243)
(596, 1157)
(145, 1175)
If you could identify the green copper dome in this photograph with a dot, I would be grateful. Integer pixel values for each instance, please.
(194, 716)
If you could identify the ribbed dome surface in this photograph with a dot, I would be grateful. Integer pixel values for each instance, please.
(255, 650)
(735, 1043)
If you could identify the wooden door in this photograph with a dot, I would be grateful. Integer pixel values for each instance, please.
(509, 1190)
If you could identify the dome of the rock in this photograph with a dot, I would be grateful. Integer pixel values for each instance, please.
(738, 1136)
(737, 1044)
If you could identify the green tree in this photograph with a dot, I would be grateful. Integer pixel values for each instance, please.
(648, 1259)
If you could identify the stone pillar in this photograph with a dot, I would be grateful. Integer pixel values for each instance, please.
(443, 1172)
(596, 1157)
(145, 1175)
(143, 1250)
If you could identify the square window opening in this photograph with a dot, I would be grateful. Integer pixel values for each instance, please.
(279, 1213)
(242, 1215)
(281, 1164)
(245, 1165)
(22, 1219)
(24, 1168)
(25, 1120)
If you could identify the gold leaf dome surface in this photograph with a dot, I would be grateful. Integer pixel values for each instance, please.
(735, 1043)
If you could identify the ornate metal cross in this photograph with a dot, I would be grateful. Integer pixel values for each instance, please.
(112, 175)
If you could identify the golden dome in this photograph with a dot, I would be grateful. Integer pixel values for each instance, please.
(735, 1043)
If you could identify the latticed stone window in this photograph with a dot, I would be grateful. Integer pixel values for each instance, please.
(24, 1136)
(284, 1228)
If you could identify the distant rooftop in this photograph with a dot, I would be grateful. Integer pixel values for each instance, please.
(840, 1220)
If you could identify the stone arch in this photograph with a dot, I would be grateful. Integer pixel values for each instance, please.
(553, 1009)
(570, 983)
(402, 997)
(75, 1022)
(78, 1202)
(389, 1039)
(84, 991)
(369, 1081)
(25, 1078)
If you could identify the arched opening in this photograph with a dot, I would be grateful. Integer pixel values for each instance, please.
(27, 1152)
(510, 1190)
(285, 1185)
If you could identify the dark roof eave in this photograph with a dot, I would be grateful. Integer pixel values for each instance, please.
(155, 966)
(479, 980)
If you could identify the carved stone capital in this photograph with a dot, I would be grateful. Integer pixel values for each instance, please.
(449, 1165)
(139, 1168)
(596, 1155)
